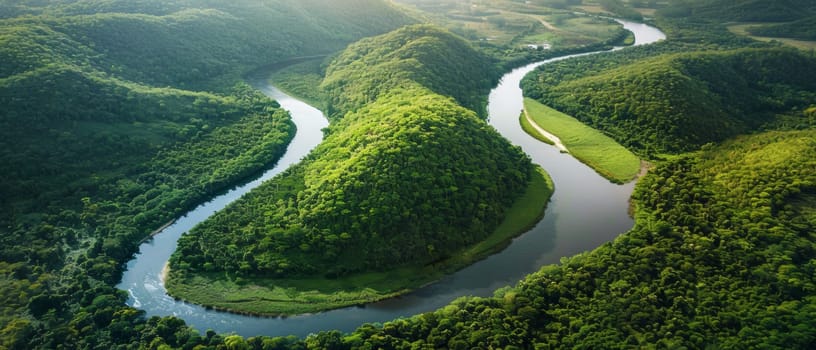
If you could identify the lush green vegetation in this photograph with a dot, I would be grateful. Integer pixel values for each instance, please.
(739, 10)
(631, 71)
(518, 32)
(188, 44)
(302, 80)
(804, 29)
(258, 295)
(516, 24)
(118, 116)
(116, 113)
(618, 8)
(722, 255)
(532, 130)
(405, 178)
(677, 102)
(586, 144)
(423, 55)
(740, 28)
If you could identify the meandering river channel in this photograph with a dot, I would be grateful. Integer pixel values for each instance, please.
(585, 212)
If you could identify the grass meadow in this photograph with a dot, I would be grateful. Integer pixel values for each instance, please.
(586, 144)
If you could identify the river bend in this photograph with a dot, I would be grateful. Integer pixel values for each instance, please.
(585, 211)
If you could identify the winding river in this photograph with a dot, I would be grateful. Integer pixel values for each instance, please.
(585, 212)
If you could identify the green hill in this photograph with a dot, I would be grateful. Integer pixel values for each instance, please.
(677, 102)
(438, 61)
(97, 71)
(194, 44)
(405, 178)
(118, 116)
(86, 102)
(721, 255)
(81, 125)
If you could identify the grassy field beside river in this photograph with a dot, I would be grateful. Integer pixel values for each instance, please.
(262, 296)
(590, 146)
(742, 29)
(532, 131)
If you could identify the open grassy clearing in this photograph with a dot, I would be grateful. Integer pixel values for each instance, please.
(543, 22)
(648, 12)
(261, 296)
(594, 9)
(498, 29)
(572, 30)
(520, 24)
(586, 144)
(587, 30)
(741, 29)
(565, 29)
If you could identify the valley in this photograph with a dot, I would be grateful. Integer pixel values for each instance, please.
(119, 117)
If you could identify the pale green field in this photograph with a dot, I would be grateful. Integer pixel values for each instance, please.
(740, 29)
(569, 29)
(586, 144)
(646, 11)
(261, 296)
(530, 130)
(517, 24)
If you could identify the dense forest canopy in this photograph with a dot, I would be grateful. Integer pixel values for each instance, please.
(115, 114)
(438, 61)
(118, 115)
(192, 44)
(679, 102)
(721, 255)
(405, 177)
(703, 85)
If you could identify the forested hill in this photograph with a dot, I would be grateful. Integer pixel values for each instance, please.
(426, 55)
(678, 102)
(721, 256)
(119, 115)
(704, 84)
(406, 178)
(189, 43)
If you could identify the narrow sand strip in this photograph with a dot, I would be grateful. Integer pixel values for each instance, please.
(546, 134)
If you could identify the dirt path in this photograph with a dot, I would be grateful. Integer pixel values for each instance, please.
(546, 24)
(547, 134)
(540, 19)
(644, 168)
